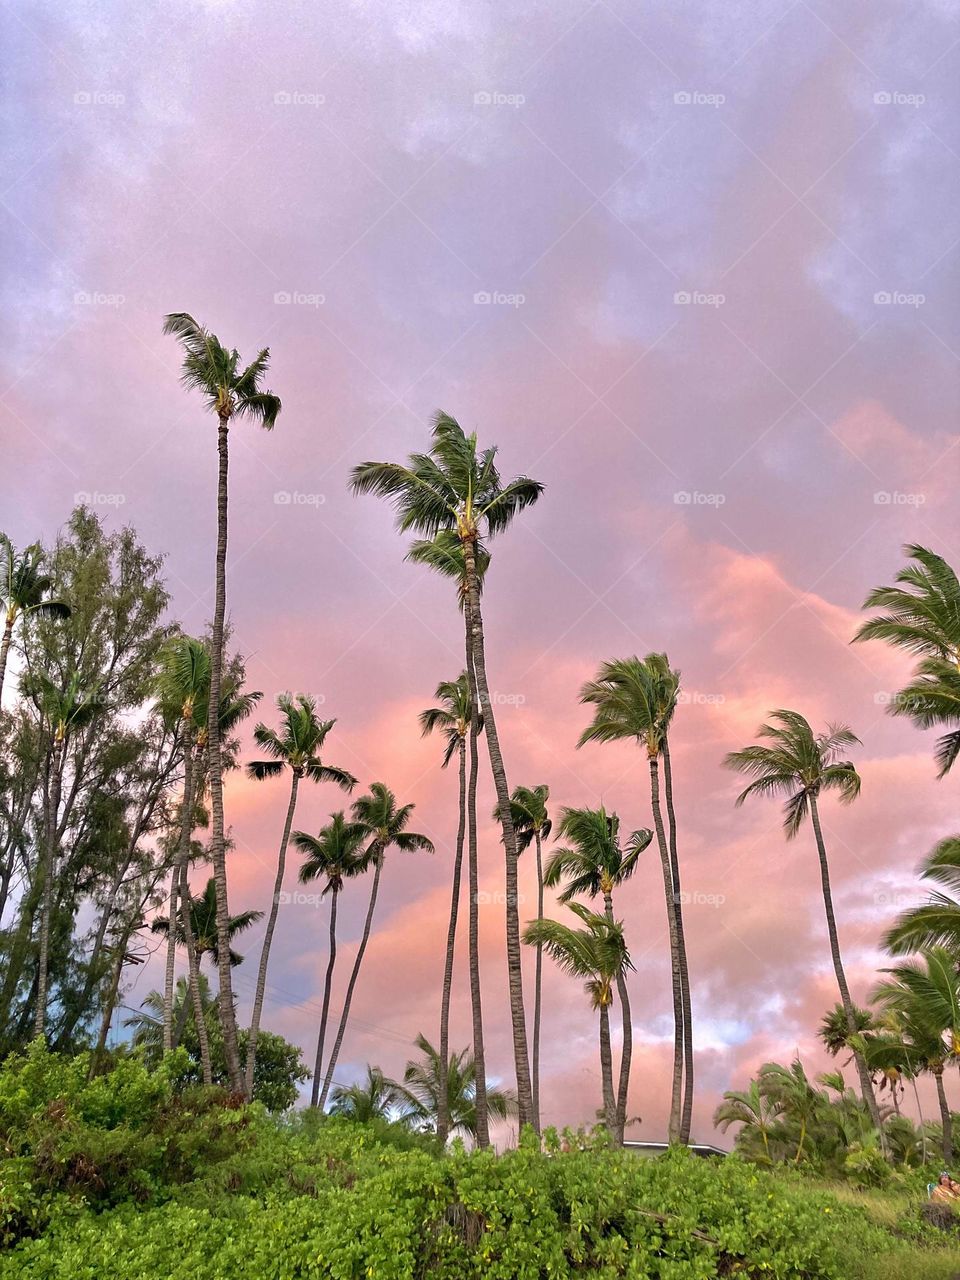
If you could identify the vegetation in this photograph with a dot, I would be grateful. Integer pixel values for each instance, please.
(117, 732)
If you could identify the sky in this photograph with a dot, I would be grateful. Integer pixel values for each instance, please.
(693, 265)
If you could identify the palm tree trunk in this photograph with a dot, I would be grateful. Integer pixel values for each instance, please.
(514, 952)
(537, 992)
(923, 1127)
(268, 938)
(686, 1114)
(473, 873)
(49, 865)
(228, 1013)
(866, 1085)
(327, 984)
(5, 649)
(606, 1071)
(184, 1013)
(107, 1013)
(341, 1030)
(193, 962)
(443, 1098)
(946, 1123)
(180, 860)
(626, 1050)
(676, 1091)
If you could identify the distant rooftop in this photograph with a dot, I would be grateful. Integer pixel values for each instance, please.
(655, 1148)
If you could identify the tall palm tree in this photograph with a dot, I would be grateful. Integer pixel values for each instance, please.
(426, 1084)
(385, 824)
(229, 392)
(892, 1051)
(921, 615)
(451, 719)
(68, 709)
(295, 747)
(926, 996)
(374, 1098)
(204, 923)
(594, 864)
(456, 488)
(634, 699)
(597, 952)
(24, 590)
(184, 681)
(532, 824)
(335, 855)
(793, 762)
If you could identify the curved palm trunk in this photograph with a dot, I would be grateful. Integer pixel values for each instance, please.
(473, 871)
(443, 1099)
(514, 953)
(686, 1114)
(946, 1122)
(193, 963)
(866, 1085)
(606, 1071)
(676, 1091)
(341, 1030)
(5, 649)
(268, 939)
(626, 1050)
(182, 855)
(49, 865)
(324, 1013)
(228, 1013)
(537, 992)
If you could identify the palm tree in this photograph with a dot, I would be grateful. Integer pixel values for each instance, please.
(336, 854)
(532, 824)
(452, 720)
(295, 747)
(935, 923)
(802, 766)
(793, 1096)
(375, 1098)
(637, 699)
(385, 825)
(426, 1085)
(68, 709)
(598, 953)
(891, 1051)
(921, 614)
(24, 589)
(184, 681)
(229, 392)
(147, 1024)
(454, 488)
(201, 911)
(594, 864)
(754, 1110)
(925, 995)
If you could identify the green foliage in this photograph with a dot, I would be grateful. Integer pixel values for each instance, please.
(127, 1177)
